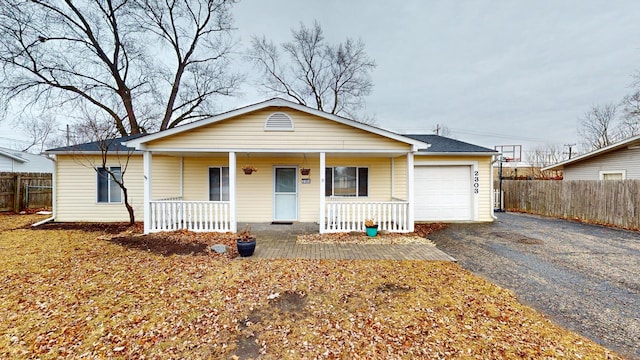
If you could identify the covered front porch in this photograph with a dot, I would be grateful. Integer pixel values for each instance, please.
(209, 191)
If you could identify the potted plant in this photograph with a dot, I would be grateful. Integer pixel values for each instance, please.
(372, 227)
(305, 171)
(248, 169)
(246, 242)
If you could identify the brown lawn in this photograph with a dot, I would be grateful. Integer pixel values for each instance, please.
(70, 293)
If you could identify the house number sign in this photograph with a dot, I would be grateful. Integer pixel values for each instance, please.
(476, 182)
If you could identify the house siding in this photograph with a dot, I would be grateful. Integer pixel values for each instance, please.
(254, 193)
(247, 132)
(33, 163)
(77, 186)
(483, 198)
(76, 193)
(196, 176)
(76, 189)
(6, 164)
(165, 174)
(622, 159)
(400, 178)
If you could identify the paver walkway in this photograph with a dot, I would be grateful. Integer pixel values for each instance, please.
(279, 241)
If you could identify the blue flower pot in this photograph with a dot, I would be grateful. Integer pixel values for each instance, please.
(372, 231)
(246, 248)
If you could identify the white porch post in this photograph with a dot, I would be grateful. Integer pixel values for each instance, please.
(146, 168)
(322, 191)
(232, 192)
(410, 185)
(181, 177)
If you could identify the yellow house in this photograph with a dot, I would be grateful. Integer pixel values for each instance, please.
(276, 161)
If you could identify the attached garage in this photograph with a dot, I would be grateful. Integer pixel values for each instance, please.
(443, 193)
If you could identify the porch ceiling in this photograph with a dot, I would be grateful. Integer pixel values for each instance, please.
(289, 154)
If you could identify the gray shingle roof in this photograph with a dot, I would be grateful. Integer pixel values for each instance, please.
(441, 144)
(98, 146)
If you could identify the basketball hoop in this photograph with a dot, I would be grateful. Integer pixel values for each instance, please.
(510, 153)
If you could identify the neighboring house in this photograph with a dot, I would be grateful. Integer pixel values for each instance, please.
(619, 161)
(18, 161)
(192, 176)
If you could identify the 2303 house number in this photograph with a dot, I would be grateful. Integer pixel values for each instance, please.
(476, 182)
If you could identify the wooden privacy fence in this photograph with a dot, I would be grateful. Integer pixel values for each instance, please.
(24, 190)
(614, 202)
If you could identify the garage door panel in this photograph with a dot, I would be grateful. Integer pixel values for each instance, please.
(443, 193)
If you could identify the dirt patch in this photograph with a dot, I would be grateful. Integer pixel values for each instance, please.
(248, 348)
(106, 228)
(290, 302)
(179, 243)
(530, 241)
(517, 238)
(393, 288)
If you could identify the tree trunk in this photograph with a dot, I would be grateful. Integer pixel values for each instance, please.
(132, 218)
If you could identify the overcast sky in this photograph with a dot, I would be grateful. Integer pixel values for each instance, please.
(494, 72)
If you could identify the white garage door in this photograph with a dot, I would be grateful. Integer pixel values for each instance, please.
(443, 193)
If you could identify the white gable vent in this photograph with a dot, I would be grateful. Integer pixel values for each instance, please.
(278, 122)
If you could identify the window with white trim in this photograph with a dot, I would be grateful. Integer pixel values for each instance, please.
(219, 183)
(348, 181)
(613, 175)
(108, 190)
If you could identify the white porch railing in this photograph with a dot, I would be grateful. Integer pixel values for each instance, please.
(170, 215)
(345, 216)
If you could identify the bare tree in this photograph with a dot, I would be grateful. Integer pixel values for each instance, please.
(133, 60)
(598, 127)
(40, 130)
(442, 130)
(630, 122)
(122, 157)
(331, 78)
(543, 156)
(111, 152)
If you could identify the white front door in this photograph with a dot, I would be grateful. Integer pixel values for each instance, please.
(285, 193)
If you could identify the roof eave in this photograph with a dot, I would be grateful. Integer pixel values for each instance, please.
(11, 156)
(593, 153)
(466, 153)
(552, 168)
(76, 152)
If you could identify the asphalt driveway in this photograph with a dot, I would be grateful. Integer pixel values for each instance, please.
(584, 277)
